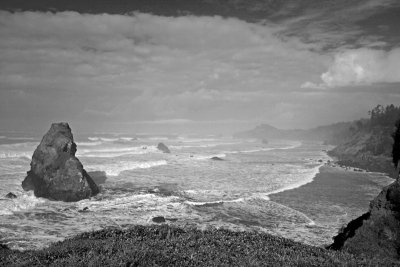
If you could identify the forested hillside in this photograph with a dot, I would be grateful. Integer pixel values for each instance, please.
(364, 143)
(369, 146)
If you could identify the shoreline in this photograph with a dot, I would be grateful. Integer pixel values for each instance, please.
(336, 196)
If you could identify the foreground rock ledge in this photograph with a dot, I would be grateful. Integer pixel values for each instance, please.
(55, 171)
(377, 232)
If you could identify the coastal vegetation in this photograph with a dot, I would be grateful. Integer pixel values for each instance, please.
(377, 232)
(365, 143)
(164, 245)
(396, 148)
(369, 142)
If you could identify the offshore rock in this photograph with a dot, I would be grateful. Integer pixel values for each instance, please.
(158, 219)
(11, 195)
(163, 148)
(55, 171)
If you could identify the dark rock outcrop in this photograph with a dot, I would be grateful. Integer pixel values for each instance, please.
(163, 148)
(159, 219)
(99, 177)
(85, 209)
(376, 233)
(55, 171)
(11, 195)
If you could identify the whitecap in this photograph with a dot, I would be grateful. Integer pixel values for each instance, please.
(24, 201)
(114, 169)
(88, 143)
(12, 154)
(117, 151)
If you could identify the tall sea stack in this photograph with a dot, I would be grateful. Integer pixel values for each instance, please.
(55, 171)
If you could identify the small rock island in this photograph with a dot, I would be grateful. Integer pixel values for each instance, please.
(55, 172)
(162, 147)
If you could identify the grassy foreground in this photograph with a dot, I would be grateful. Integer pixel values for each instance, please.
(163, 245)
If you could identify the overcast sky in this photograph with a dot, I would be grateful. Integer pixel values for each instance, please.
(209, 65)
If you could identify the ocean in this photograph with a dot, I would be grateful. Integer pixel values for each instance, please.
(186, 187)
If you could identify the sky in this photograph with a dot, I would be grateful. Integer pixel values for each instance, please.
(207, 66)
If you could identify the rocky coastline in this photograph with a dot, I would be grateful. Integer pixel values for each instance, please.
(370, 240)
(381, 164)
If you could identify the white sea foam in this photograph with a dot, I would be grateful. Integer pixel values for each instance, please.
(116, 151)
(156, 138)
(114, 169)
(20, 138)
(195, 203)
(176, 147)
(190, 145)
(308, 176)
(293, 146)
(89, 143)
(205, 157)
(11, 154)
(18, 150)
(140, 201)
(197, 140)
(107, 139)
(24, 145)
(24, 201)
(127, 138)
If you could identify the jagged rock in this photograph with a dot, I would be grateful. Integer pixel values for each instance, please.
(11, 195)
(55, 171)
(216, 158)
(163, 148)
(85, 209)
(377, 232)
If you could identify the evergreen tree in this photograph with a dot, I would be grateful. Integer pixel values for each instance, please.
(396, 148)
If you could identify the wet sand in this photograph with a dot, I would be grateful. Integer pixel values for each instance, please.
(335, 197)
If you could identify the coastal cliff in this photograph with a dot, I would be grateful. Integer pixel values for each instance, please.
(368, 149)
(364, 143)
(377, 232)
(55, 171)
(369, 146)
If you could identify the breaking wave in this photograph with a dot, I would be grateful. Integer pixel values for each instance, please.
(22, 202)
(116, 152)
(114, 169)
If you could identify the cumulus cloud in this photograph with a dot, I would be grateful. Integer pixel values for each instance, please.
(360, 67)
